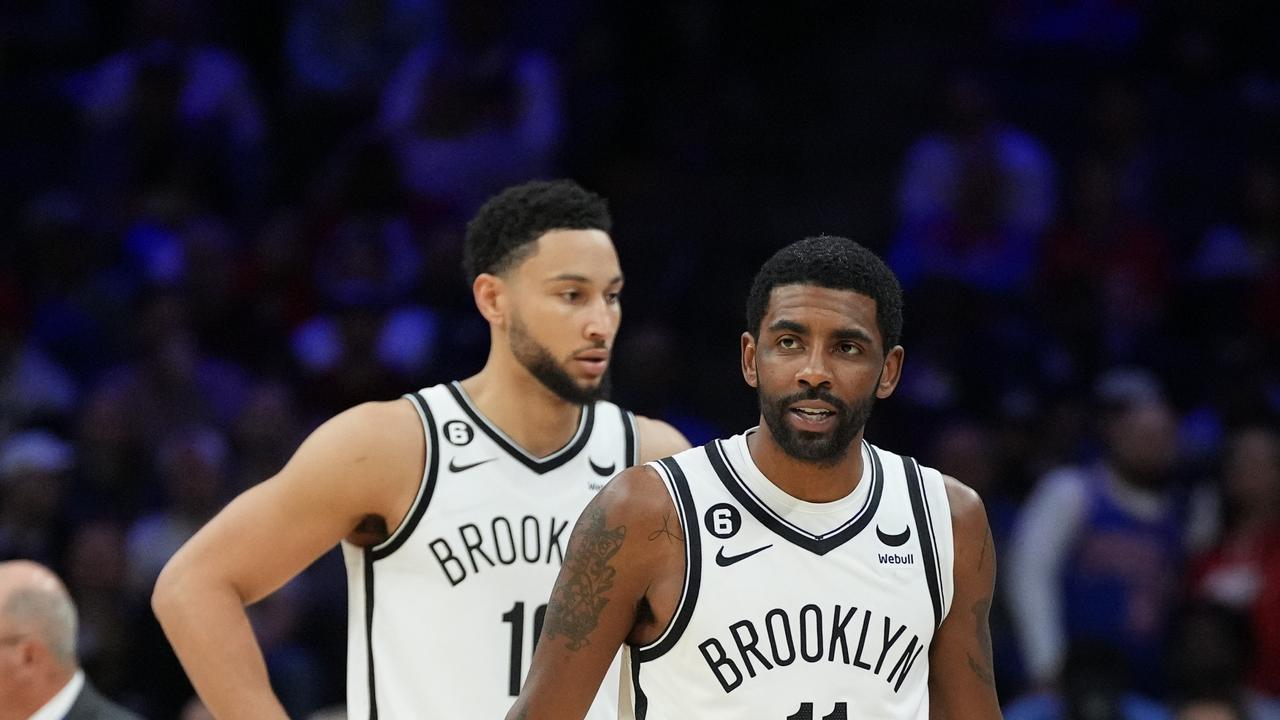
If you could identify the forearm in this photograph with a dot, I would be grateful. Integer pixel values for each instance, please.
(210, 632)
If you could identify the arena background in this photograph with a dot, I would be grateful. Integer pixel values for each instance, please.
(226, 222)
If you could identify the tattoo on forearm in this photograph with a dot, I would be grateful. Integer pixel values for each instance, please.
(666, 531)
(579, 596)
(983, 668)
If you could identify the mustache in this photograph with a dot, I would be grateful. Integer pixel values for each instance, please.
(814, 393)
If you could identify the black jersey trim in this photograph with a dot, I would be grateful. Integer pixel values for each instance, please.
(629, 435)
(570, 450)
(933, 535)
(924, 532)
(368, 633)
(640, 701)
(816, 544)
(688, 513)
(426, 488)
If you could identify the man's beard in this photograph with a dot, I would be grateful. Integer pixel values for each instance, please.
(823, 449)
(540, 363)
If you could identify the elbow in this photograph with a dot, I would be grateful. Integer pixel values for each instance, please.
(167, 596)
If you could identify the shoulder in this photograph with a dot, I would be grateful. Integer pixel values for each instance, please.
(366, 455)
(658, 439)
(636, 493)
(374, 423)
(968, 514)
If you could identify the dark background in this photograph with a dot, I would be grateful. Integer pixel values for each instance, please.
(224, 224)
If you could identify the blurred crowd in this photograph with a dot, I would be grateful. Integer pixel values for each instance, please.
(223, 224)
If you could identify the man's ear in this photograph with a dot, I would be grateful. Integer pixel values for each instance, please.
(749, 360)
(891, 373)
(490, 293)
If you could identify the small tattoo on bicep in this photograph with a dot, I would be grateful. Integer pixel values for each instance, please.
(983, 667)
(578, 598)
(666, 531)
(986, 543)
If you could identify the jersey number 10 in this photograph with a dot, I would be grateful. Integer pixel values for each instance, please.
(515, 616)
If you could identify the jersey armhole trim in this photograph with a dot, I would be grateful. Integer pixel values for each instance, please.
(678, 485)
(426, 487)
(368, 633)
(630, 433)
(928, 540)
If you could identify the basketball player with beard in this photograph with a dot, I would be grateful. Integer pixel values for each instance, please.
(794, 571)
(452, 504)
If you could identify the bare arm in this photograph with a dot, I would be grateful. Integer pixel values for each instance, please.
(658, 439)
(363, 462)
(961, 672)
(614, 587)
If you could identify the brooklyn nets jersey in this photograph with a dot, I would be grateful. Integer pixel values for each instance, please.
(794, 610)
(444, 614)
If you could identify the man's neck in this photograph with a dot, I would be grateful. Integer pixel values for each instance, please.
(524, 409)
(35, 697)
(803, 480)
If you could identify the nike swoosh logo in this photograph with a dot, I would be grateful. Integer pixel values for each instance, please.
(726, 560)
(455, 467)
(894, 540)
(601, 471)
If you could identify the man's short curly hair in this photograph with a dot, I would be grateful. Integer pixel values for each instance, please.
(499, 236)
(831, 262)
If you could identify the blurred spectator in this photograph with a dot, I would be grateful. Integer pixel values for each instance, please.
(1209, 709)
(975, 198)
(1105, 275)
(1095, 686)
(34, 388)
(172, 111)
(474, 112)
(1243, 570)
(1211, 651)
(42, 677)
(1097, 552)
(192, 465)
(173, 384)
(265, 435)
(34, 470)
(96, 571)
(1235, 268)
(339, 54)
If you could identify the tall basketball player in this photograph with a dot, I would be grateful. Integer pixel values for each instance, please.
(452, 504)
(793, 572)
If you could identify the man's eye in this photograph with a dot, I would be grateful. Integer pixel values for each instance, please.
(613, 298)
(570, 295)
(788, 343)
(848, 348)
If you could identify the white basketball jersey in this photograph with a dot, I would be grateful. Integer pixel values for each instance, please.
(794, 610)
(444, 614)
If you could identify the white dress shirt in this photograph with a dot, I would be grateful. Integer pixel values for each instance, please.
(59, 704)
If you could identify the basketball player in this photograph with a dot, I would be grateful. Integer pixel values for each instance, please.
(793, 572)
(453, 504)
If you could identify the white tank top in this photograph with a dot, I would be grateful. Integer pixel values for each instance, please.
(444, 614)
(794, 610)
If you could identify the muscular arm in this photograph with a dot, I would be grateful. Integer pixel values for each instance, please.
(615, 586)
(364, 462)
(658, 439)
(961, 674)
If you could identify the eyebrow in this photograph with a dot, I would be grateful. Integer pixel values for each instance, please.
(574, 277)
(848, 333)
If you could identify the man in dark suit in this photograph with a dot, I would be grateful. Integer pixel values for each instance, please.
(40, 675)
